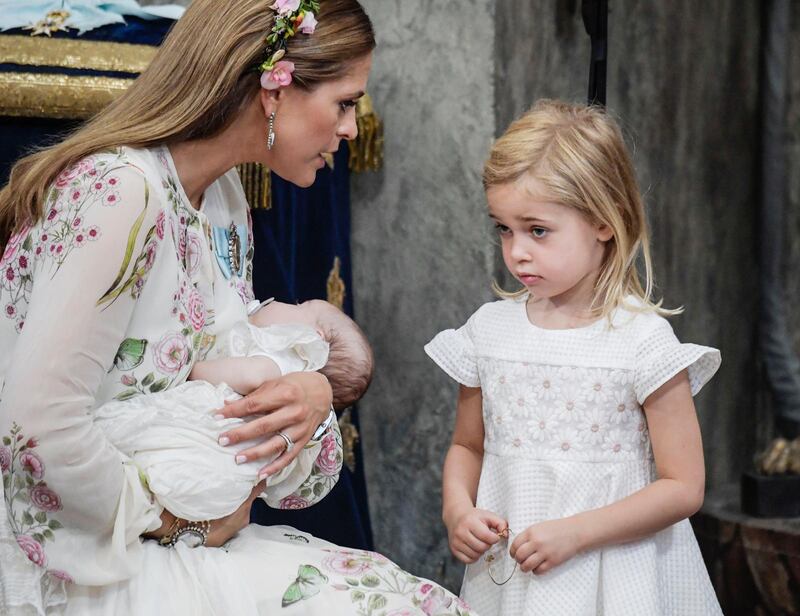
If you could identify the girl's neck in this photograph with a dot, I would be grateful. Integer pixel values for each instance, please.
(568, 310)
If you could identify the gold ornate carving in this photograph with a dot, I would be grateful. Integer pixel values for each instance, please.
(43, 95)
(336, 287)
(350, 437)
(54, 21)
(257, 184)
(366, 152)
(780, 458)
(77, 54)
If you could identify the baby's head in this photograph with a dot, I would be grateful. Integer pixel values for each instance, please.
(350, 362)
(562, 190)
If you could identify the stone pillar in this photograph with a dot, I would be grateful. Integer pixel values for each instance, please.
(422, 256)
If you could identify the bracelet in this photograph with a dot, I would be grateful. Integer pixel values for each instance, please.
(194, 534)
(324, 425)
(255, 305)
(167, 538)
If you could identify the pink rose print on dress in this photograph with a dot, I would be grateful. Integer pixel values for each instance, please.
(346, 563)
(66, 176)
(329, 460)
(171, 353)
(33, 550)
(194, 249)
(435, 601)
(197, 311)
(44, 498)
(160, 220)
(33, 464)
(5, 459)
(293, 502)
(61, 575)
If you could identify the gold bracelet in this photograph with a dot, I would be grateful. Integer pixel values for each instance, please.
(167, 538)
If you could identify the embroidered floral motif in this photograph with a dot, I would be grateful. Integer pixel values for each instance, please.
(374, 584)
(567, 412)
(28, 500)
(324, 474)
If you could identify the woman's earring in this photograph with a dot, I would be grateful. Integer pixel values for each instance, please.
(271, 133)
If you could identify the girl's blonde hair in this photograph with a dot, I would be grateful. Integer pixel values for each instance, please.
(578, 153)
(202, 75)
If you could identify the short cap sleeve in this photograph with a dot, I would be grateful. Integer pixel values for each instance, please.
(660, 356)
(453, 350)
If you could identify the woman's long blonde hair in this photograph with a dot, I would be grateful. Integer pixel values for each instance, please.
(578, 153)
(200, 78)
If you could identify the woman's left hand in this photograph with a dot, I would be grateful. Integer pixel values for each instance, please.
(295, 404)
(542, 546)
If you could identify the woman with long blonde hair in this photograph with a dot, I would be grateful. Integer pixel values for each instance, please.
(113, 244)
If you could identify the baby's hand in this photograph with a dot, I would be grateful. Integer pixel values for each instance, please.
(543, 546)
(474, 532)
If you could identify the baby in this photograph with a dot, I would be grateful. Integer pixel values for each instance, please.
(172, 436)
(281, 338)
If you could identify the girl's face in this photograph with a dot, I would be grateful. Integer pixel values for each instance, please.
(550, 248)
(311, 123)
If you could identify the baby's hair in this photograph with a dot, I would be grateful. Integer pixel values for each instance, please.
(350, 362)
(578, 154)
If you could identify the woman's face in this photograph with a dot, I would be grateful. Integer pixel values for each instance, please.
(311, 123)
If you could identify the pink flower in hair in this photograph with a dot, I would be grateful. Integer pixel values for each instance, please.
(309, 24)
(279, 76)
(286, 6)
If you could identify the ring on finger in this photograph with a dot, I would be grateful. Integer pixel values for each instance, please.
(288, 440)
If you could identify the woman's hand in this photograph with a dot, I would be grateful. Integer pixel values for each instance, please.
(222, 529)
(541, 547)
(295, 404)
(474, 531)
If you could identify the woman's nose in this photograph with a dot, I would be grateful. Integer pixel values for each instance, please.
(348, 129)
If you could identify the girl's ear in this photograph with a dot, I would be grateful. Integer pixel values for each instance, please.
(604, 233)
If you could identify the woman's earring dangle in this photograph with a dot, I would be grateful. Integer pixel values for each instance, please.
(271, 133)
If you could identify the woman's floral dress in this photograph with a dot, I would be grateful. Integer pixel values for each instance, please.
(116, 292)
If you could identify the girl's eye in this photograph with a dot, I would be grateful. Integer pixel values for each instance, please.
(501, 229)
(538, 232)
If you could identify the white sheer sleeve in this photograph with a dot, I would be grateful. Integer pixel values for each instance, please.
(75, 504)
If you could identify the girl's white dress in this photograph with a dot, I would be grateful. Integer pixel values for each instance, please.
(565, 432)
(114, 295)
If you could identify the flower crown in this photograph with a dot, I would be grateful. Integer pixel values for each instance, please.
(293, 16)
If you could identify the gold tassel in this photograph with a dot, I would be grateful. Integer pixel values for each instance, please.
(350, 437)
(256, 182)
(336, 288)
(366, 152)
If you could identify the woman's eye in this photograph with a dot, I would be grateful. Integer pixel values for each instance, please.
(345, 105)
(538, 232)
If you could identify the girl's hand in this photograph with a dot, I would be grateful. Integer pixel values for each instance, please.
(473, 532)
(543, 546)
(295, 404)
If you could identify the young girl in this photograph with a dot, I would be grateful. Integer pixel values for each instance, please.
(576, 458)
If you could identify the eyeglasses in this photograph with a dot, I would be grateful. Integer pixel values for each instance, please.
(499, 563)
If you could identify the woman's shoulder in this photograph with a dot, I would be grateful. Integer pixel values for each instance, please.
(112, 167)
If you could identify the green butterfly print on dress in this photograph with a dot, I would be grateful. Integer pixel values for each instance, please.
(130, 354)
(308, 583)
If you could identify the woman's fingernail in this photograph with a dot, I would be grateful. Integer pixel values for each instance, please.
(224, 441)
(241, 459)
(219, 417)
(263, 475)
